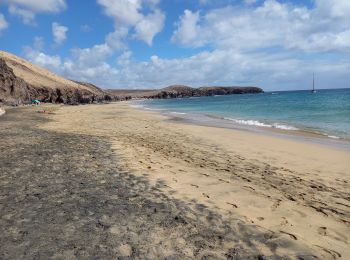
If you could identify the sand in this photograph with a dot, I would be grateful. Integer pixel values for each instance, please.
(64, 196)
(107, 181)
(296, 190)
(2, 111)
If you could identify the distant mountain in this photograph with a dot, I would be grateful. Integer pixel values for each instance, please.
(22, 81)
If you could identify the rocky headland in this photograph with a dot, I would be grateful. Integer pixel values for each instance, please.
(21, 82)
(180, 91)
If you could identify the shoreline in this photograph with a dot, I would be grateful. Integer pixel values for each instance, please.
(204, 119)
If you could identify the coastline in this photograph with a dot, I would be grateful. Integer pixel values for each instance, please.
(145, 184)
(297, 190)
(281, 130)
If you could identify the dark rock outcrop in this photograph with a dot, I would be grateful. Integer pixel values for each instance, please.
(12, 88)
(179, 91)
(15, 90)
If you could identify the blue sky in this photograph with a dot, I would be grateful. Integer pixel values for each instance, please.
(274, 44)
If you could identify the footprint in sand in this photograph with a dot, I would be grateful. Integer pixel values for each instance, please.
(333, 253)
(322, 231)
(233, 205)
(248, 187)
(289, 234)
(223, 180)
(175, 180)
(194, 185)
(205, 195)
(206, 175)
(276, 204)
(284, 222)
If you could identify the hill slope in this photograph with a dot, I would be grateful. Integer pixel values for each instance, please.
(22, 81)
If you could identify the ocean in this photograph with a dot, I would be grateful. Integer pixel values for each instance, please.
(326, 112)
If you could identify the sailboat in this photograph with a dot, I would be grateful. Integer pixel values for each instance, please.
(313, 83)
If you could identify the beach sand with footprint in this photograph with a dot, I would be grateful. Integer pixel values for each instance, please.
(293, 190)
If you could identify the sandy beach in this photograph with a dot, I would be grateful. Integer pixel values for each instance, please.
(155, 187)
(2, 111)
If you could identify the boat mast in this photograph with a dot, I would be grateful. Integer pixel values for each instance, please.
(313, 81)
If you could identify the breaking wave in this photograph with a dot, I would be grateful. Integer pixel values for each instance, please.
(261, 124)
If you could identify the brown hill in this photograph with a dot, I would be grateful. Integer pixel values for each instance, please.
(22, 81)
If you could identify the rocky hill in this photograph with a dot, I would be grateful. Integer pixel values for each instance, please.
(22, 81)
(180, 91)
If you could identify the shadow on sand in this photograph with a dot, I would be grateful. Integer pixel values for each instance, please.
(62, 196)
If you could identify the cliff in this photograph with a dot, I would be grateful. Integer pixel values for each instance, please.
(22, 81)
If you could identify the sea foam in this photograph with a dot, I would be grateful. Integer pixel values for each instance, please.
(178, 113)
(261, 124)
(285, 127)
(333, 136)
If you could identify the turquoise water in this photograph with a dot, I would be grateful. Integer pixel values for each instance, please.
(326, 112)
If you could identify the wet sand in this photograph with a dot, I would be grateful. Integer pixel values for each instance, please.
(109, 181)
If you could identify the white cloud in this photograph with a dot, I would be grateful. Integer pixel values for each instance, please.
(52, 63)
(273, 45)
(26, 15)
(3, 22)
(85, 65)
(47, 61)
(272, 24)
(115, 39)
(90, 65)
(130, 14)
(36, 55)
(90, 57)
(188, 29)
(59, 33)
(101, 74)
(27, 9)
(333, 8)
(228, 67)
(142, 19)
(39, 6)
(123, 12)
(149, 26)
(218, 67)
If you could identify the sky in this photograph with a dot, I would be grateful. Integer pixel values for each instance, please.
(273, 44)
